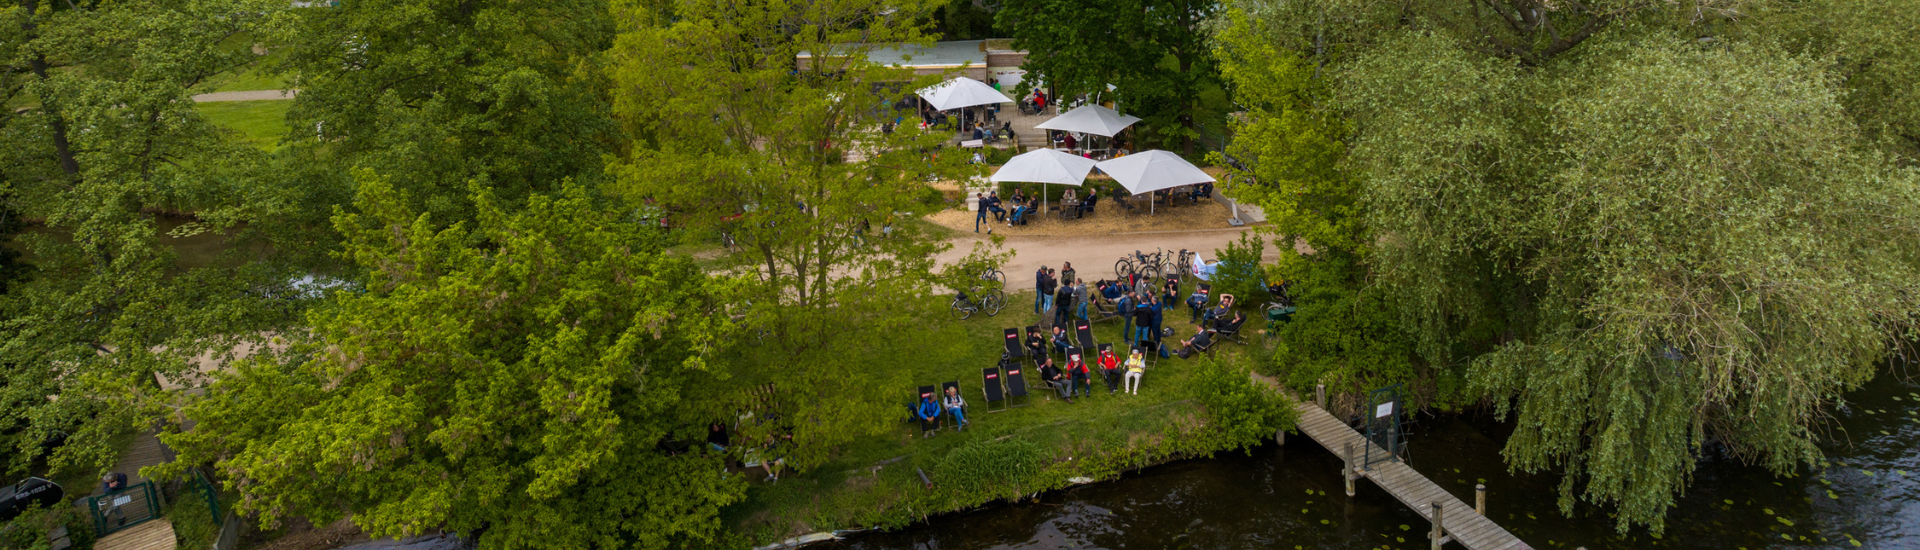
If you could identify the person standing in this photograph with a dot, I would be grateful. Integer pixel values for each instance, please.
(1066, 270)
(1142, 319)
(1063, 305)
(980, 212)
(1080, 297)
(1040, 290)
(1124, 307)
(1159, 313)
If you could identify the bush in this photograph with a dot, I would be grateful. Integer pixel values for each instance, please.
(1239, 272)
(1241, 411)
(29, 531)
(992, 468)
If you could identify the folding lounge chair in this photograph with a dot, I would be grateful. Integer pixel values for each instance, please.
(1084, 330)
(1204, 343)
(1045, 345)
(1015, 349)
(1017, 383)
(1232, 331)
(990, 387)
(926, 428)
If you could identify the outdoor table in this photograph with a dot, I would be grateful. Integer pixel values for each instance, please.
(1070, 210)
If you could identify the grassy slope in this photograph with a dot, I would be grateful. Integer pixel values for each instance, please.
(259, 123)
(1106, 434)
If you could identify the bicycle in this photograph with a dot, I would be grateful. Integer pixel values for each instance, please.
(990, 301)
(1148, 268)
(993, 278)
(1183, 267)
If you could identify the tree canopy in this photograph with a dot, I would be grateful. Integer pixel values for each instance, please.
(1648, 234)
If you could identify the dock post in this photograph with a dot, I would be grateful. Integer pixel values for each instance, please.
(1438, 531)
(1346, 471)
(1480, 499)
(1320, 396)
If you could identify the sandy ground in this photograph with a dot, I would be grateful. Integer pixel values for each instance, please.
(1093, 256)
(1107, 219)
(248, 95)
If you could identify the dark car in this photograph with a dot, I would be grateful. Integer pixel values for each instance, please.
(15, 498)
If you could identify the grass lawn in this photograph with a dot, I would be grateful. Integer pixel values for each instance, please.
(257, 76)
(876, 481)
(259, 123)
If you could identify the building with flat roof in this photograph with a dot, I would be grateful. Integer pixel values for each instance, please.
(976, 59)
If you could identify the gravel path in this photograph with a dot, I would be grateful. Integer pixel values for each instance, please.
(1093, 256)
(248, 95)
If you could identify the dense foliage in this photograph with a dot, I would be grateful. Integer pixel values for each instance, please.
(513, 391)
(1644, 231)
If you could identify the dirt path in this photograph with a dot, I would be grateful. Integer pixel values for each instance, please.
(1093, 255)
(248, 95)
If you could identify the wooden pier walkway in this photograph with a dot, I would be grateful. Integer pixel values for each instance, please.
(1458, 519)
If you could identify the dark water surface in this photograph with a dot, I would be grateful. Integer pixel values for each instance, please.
(1291, 497)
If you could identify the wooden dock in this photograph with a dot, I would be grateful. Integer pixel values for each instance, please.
(154, 534)
(1459, 520)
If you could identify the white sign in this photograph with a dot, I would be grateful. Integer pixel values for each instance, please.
(122, 501)
(1383, 410)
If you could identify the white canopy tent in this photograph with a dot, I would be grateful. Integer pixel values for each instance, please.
(1090, 119)
(962, 92)
(1045, 166)
(1149, 171)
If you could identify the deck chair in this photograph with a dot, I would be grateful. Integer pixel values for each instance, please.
(926, 428)
(1016, 383)
(991, 389)
(1045, 343)
(1202, 343)
(1231, 331)
(1084, 330)
(1014, 348)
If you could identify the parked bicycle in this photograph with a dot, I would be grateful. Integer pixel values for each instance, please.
(989, 301)
(993, 279)
(1141, 268)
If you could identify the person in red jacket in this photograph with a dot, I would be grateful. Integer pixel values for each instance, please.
(1082, 378)
(1110, 367)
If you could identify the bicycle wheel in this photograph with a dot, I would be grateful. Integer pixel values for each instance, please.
(1171, 269)
(994, 278)
(993, 301)
(1122, 268)
(961, 310)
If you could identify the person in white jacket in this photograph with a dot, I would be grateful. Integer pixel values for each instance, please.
(956, 406)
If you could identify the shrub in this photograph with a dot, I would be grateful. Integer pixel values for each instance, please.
(992, 468)
(1240, 411)
(1239, 272)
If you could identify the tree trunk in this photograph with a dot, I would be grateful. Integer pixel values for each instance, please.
(62, 147)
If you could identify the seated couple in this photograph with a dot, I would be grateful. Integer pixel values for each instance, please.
(929, 411)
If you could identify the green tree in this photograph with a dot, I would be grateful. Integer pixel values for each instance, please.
(511, 391)
(99, 138)
(796, 160)
(1154, 52)
(438, 93)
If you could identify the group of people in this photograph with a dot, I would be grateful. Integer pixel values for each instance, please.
(1077, 376)
(1021, 209)
(928, 410)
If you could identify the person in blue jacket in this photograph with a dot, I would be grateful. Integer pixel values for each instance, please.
(928, 411)
(1159, 314)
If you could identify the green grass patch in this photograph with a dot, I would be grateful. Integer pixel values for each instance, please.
(876, 481)
(259, 123)
(255, 76)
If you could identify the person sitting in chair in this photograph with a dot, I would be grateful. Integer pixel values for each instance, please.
(992, 205)
(1219, 313)
(1053, 376)
(1082, 378)
(1110, 369)
(1061, 340)
(955, 405)
(1202, 338)
(1136, 366)
(717, 438)
(1036, 346)
(1196, 305)
(928, 411)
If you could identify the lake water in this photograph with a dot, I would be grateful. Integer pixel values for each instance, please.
(1292, 497)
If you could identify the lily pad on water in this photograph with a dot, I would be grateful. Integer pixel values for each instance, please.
(1832, 495)
(1868, 473)
(1404, 527)
(1728, 501)
(1901, 472)
(1325, 522)
(1769, 511)
(1787, 522)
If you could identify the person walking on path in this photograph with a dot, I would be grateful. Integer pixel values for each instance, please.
(980, 213)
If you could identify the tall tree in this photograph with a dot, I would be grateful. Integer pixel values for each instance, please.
(512, 391)
(100, 138)
(1154, 52)
(797, 158)
(438, 93)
